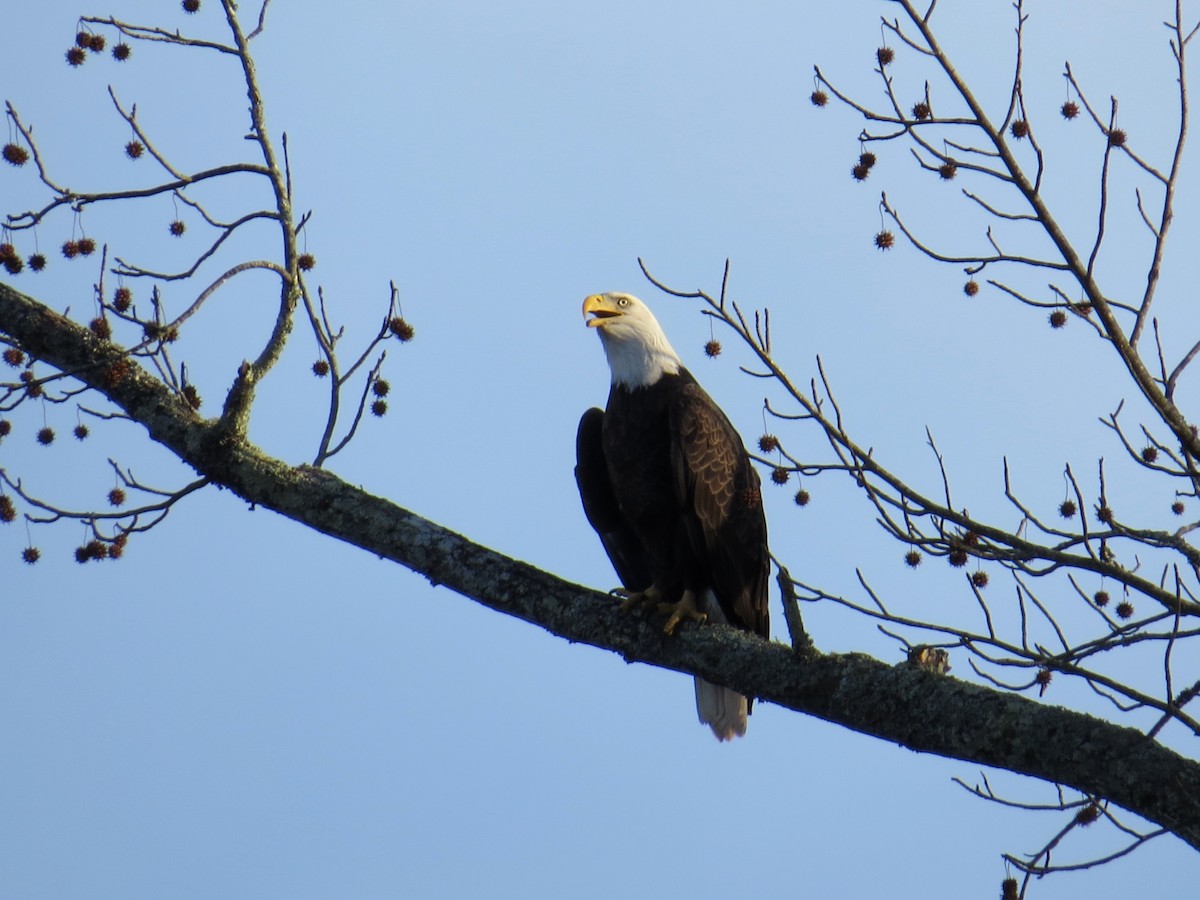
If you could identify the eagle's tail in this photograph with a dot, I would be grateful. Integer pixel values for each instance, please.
(720, 708)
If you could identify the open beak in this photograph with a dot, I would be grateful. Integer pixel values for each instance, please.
(600, 309)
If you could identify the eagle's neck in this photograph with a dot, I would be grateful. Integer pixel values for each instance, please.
(639, 360)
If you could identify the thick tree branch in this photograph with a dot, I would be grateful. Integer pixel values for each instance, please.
(901, 703)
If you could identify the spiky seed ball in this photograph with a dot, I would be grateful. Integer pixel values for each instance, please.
(1104, 514)
(1008, 889)
(177, 228)
(1019, 129)
(971, 288)
(117, 372)
(31, 555)
(979, 579)
(5, 428)
(1043, 677)
(1058, 319)
(190, 6)
(867, 158)
(712, 349)
(96, 549)
(86, 246)
(1101, 598)
(45, 436)
(885, 240)
(15, 154)
(81, 432)
(14, 265)
(191, 396)
(81, 555)
(948, 169)
(8, 512)
(380, 387)
(116, 497)
(860, 172)
(379, 408)
(121, 51)
(1124, 609)
(70, 249)
(97, 43)
(134, 149)
(100, 328)
(768, 443)
(1067, 509)
(14, 356)
(885, 55)
(320, 368)
(76, 56)
(818, 98)
(401, 329)
(970, 538)
(7, 250)
(1117, 137)
(37, 262)
(116, 551)
(780, 475)
(1177, 507)
(122, 299)
(83, 39)
(912, 558)
(306, 261)
(921, 111)
(957, 557)
(1087, 815)
(1149, 454)
(802, 497)
(1070, 109)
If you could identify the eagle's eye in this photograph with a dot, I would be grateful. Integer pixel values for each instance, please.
(623, 301)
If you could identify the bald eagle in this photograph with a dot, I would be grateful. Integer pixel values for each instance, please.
(667, 484)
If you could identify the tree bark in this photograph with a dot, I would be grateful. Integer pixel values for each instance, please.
(920, 710)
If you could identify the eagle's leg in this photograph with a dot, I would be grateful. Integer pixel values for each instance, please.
(684, 610)
(631, 600)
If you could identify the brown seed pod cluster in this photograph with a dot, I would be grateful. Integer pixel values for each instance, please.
(14, 356)
(76, 56)
(818, 98)
(320, 368)
(957, 557)
(15, 154)
(122, 299)
(1067, 509)
(134, 149)
(8, 511)
(1070, 109)
(401, 329)
(380, 387)
(1124, 609)
(1117, 137)
(1057, 319)
(1101, 598)
(190, 6)
(37, 261)
(1087, 815)
(885, 55)
(81, 432)
(885, 240)
(1019, 129)
(921, 111)
(971, 288)
(116, 497)
(191, 396)
(780, 475)
(121, 51)
(379, 408)
(802, 497)
(979, 579)
(712, 349)
(1149, 454)
(948, 170)
(768, 443)
(100, 328)
(177, 228)
(306, 261)
(1177, 507)
(30, 555)
(45, 436)
(912, 558)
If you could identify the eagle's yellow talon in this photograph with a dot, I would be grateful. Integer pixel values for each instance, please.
(637, 599)
(683, 611)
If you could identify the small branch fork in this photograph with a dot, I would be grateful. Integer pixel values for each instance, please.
(148, 323)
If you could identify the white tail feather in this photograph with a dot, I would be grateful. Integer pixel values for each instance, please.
(722, 709)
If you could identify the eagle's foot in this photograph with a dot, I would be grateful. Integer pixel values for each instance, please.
(631, 600)
(683, 611)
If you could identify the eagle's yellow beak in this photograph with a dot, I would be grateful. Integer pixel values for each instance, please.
(600, 308)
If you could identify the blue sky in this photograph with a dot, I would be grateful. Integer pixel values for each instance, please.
(243, 708)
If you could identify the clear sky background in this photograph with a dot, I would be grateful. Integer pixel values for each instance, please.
(244, 708)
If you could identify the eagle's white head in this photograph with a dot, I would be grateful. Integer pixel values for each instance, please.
(638, 351)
